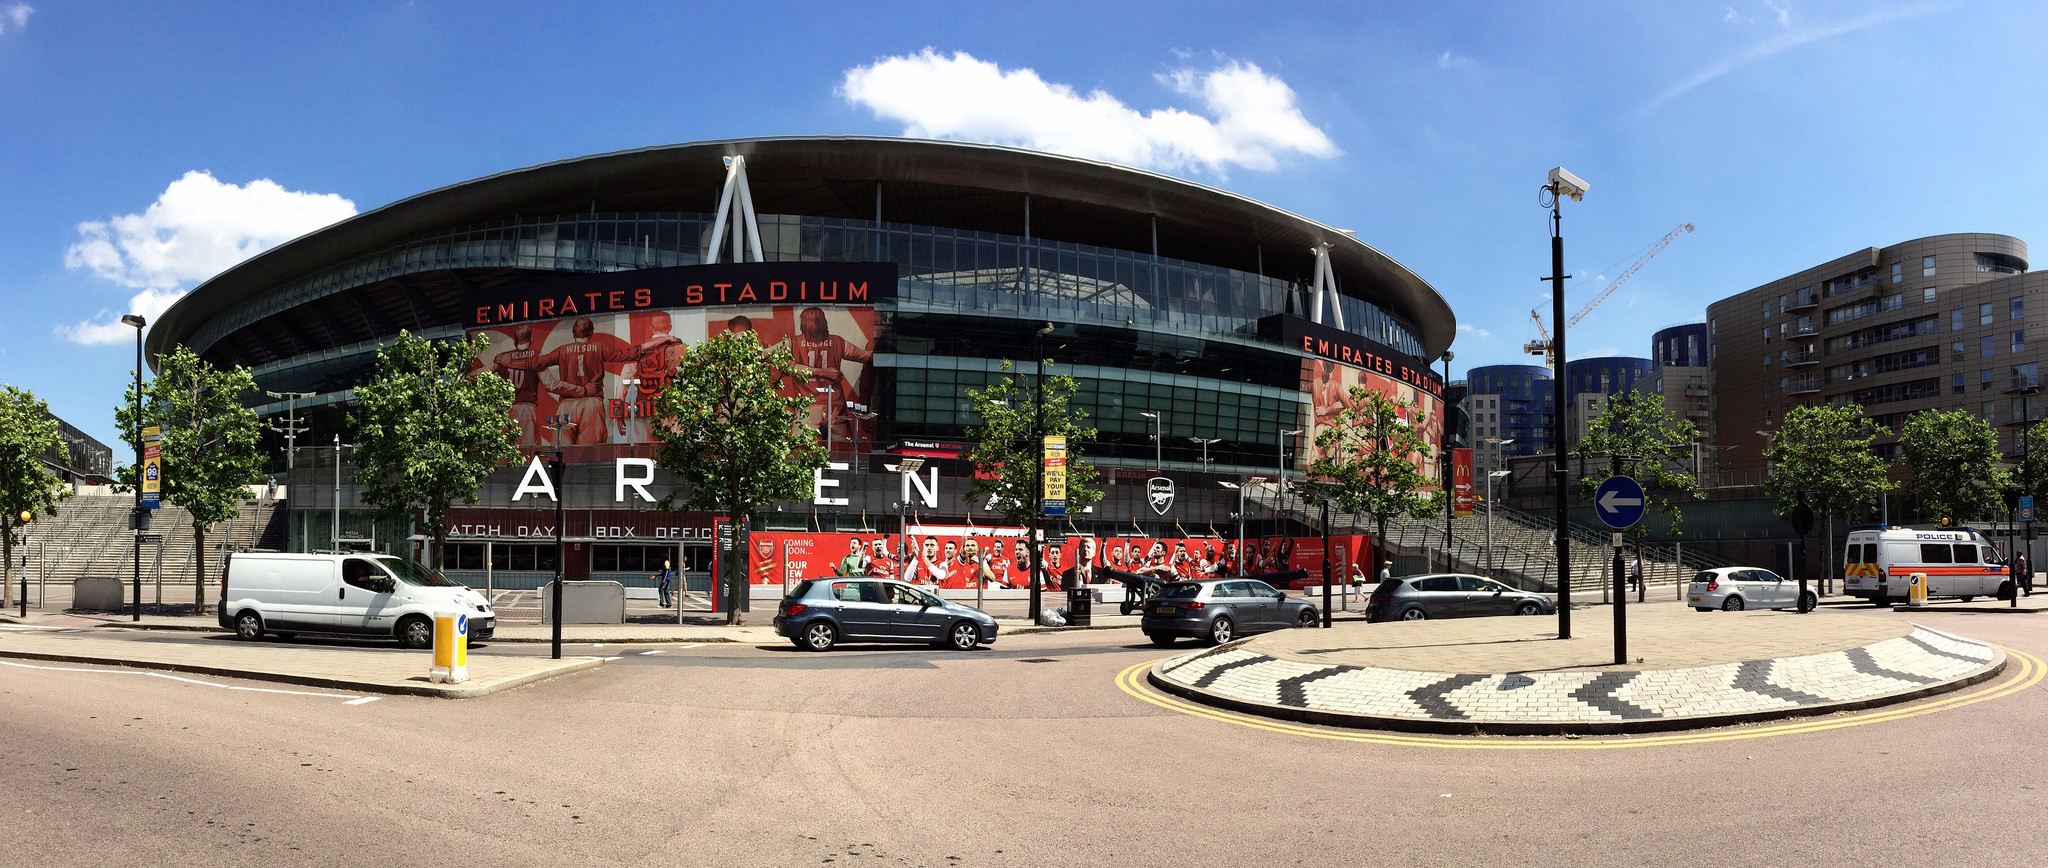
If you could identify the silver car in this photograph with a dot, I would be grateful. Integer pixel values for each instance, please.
(1217, 610)
(1451, 595)
(1733, 589)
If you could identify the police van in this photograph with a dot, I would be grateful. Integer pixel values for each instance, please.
(1878, 561)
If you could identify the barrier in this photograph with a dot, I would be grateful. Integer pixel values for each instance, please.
(1916, 590)
(585, 603)
(451, 648)
(98, 595)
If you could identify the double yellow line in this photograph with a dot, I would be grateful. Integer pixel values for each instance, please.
(2030, 671)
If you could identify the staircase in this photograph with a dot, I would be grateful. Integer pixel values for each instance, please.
(1522, 552)
(88, 535)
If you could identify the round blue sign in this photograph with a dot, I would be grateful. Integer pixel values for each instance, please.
(1619, 502)
(461, 625)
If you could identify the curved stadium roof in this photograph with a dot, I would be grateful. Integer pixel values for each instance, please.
(939, 183)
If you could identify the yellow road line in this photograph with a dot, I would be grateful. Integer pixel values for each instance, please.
(2031, 671)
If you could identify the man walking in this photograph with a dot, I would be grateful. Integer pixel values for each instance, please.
(662, 586)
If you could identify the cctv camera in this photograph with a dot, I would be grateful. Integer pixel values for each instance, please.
(1567, 184)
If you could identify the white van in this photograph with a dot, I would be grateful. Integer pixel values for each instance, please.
(350, 594)
(1959, 562)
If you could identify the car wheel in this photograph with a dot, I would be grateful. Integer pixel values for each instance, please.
(1881, 602)
(820, 636)
(1415, 614)
(1220, 630)
(1528, 608)
(1732, 604)
(1967, 599)
(1702, 609)
(415, 632)
(964, 636)
(249, 626)
(1809, 602)
(1127, 606)
(1161, 639)
(1306, 619)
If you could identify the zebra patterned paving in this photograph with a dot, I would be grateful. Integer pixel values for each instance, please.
(1919, 662)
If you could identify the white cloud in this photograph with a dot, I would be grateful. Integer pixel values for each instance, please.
(1782, 13)
(1786, 41)
(15, 17)
(1730, 17)
(1466, 328)
(1447, 60)
(1246, 118)
(196, 229)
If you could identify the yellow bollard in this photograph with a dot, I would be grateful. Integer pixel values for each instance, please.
(1916, 590)
(451, 648)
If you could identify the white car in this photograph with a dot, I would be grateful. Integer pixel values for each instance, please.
(1733, 589)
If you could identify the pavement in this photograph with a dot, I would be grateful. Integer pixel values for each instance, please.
(1511, 675)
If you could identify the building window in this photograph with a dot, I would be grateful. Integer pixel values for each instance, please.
(1984, 379)
(1989, 411)
(1767, 334)
(1926, 266)
(1955, 384)
(1898, 272)
(1984, 314)
(1984, 347)
(1927, 295)
(1955, 351)
(2019, 342)
(1784, 385)
(2018, 306)
(1955, 319)
(2026, 375)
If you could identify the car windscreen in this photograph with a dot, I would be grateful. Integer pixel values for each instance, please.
(1387, 587)
(415, 574)
(1181, 591)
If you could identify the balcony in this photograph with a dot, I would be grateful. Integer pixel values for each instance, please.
(1805, 386)
(1803, 301)
(1805, 329)
(1996, 269)
(1801, 360)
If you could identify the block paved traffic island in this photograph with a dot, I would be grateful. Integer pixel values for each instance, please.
(1511, 675)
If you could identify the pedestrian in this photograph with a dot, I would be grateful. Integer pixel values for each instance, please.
(661, 585)
(1386, 570)
(2026, 571)
(1635, 573)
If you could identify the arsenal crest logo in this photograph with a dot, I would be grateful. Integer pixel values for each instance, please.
(1159, 492)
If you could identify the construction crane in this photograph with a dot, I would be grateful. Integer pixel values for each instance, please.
(1545, 347)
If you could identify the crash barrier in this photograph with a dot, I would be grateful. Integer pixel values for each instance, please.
(585, 603)
(98, 595)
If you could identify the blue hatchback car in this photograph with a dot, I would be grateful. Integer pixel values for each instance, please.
(820, 613)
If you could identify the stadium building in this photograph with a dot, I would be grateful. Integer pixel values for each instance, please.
(1211, 336)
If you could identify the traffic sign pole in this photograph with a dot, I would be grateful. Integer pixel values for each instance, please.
(1619, 503)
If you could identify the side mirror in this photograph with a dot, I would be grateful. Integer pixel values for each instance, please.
(387, 586)
(1283, 594)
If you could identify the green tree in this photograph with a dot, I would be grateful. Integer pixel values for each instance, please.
(1640, 438)
(28, 435)
(429, 432)
(1006, 456)
(728, 431)
(1366, 461)
(1954, 459)
(2031, 477)
(1823, 453)
(212, 443)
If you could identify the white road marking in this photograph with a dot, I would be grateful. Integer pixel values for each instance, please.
(593, 644)
(689, 646)
(362, 700)
(352, 699)
(610, 658)
(653, 652)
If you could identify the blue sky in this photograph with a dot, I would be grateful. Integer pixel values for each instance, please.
(147, 146)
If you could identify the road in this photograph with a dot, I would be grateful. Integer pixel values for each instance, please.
(1027, 754)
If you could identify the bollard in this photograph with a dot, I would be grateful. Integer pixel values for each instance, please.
(1916, 590)
(451, 648)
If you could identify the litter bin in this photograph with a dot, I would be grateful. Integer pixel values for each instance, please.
(1079, 601)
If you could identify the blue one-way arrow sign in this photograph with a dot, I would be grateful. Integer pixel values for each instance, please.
(1619, 502)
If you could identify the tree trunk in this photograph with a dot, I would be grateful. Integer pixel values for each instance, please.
(441, 549)
(7, 563)
(199, 568)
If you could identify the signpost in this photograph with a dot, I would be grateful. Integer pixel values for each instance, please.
(1619, 503)
(1054, 497)
(1802, 524)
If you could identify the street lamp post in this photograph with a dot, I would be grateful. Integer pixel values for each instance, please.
(1158, 441)
(1497, 471)
(291, 427)
(1205, 443)
(860, 413)
(135, 518)
(1444, 458)
(1037, 493)
(1280, 478)
(1560, 185)
(1241, 487)
(2026, 417)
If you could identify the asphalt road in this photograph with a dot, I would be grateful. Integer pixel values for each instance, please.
(1027, 754)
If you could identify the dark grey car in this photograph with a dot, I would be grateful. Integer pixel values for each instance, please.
(1451, 595)
(820, 613)
(1218, 610)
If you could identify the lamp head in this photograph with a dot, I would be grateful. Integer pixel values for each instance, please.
(133, 320)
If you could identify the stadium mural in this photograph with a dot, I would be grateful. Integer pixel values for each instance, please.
(588, 354)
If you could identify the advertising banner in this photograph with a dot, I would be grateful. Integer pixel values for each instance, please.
(1461, 481)
(594, 378)
(152, 467)
(1055, 493)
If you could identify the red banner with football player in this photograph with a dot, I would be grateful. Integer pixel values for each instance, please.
(593, 379)
(959, 557)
